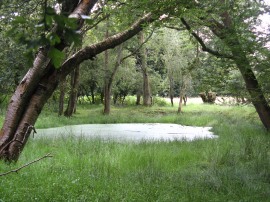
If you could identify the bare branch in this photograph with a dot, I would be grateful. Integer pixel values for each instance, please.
(139, 47)
(203, 45)
(28, 164)
(175, 28)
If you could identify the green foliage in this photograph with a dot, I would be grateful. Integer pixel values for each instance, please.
(57, 57)
(158, 101)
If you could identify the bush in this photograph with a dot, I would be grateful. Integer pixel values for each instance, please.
(159, 101)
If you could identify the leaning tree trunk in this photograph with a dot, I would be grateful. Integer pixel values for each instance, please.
(40, 82)
(254, 89)
(226, 31)
(109, 81)
(228, 34)
(74, 84)
(25, 106)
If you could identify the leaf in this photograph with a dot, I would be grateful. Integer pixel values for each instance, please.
(54, 39)
(72, 37)
(19, 20)
(57, 57)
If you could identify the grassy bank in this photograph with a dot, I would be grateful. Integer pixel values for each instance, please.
(234, 167)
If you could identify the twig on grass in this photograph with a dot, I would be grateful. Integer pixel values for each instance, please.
(16, 170)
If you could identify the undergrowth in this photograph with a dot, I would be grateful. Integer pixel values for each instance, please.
(233, 167)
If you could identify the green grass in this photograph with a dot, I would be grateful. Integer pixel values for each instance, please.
(234, 167)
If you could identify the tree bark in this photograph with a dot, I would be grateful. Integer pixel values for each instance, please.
(74, 84)
(39, 84)
(110, 79)
(62, 98)
(23, 108)
(143, 66)
(138, 99)
(181, 96)
(92, 91)
(107, 85)
(171, 92)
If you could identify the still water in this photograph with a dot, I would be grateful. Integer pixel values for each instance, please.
(131, 132)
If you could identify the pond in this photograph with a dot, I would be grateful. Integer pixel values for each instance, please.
(131, 132)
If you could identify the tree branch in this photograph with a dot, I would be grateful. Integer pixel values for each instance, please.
(203, 45)
(91, 51)
(28, 164)
(139, 47)
(175, 28)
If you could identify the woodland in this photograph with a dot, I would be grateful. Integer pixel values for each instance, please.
(71, 51)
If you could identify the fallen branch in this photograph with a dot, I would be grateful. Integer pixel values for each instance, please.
(16, 170)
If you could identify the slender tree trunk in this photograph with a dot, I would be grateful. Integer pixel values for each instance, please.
(180, 104)
(107, 100)
(143, 64)
(107, 90)
(146, 90)
(181, 95)
(185, 100)
(171, 92)
(74, 84)
(115, 97)
(109, 81)
(62, 97)
(138, 99)
(92, 95)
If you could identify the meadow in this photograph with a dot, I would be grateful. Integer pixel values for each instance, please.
(233, 167)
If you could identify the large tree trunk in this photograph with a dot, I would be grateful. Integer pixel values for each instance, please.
(74, 84)
(41, 81)
(254, 89)
(25, 106)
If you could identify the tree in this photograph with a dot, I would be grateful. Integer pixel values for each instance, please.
(41, 81)
(26, 103)
(231, 28)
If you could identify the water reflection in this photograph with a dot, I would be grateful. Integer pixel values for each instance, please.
(132, 132)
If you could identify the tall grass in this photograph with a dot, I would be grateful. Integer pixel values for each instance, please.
(233, 167)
